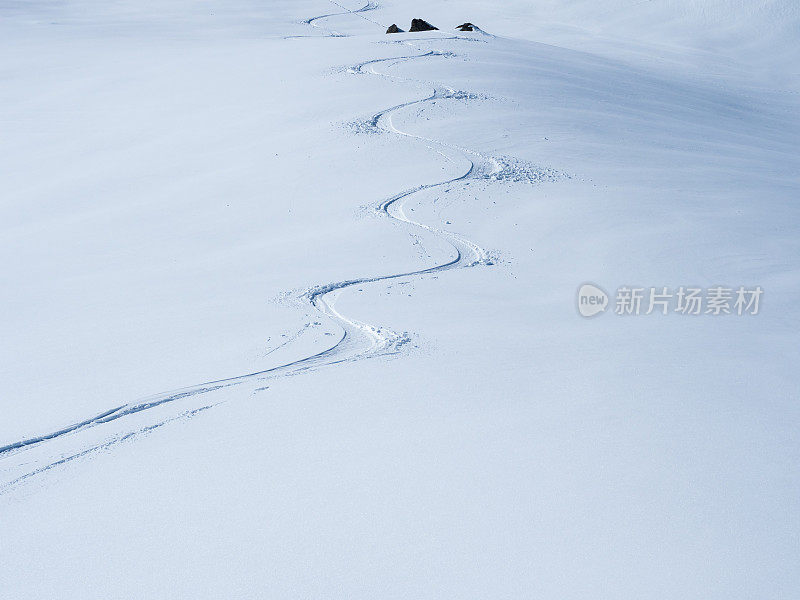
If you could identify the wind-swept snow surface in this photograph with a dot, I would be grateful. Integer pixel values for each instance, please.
(289, 304)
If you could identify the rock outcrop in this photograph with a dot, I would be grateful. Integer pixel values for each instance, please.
(466, 27)
(394, 29)
(422, 25)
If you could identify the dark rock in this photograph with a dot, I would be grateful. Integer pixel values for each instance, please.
(466, 27)
(420, 25)
(394, 29)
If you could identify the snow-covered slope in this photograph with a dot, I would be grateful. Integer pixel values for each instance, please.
(289, 304)
(758, 33)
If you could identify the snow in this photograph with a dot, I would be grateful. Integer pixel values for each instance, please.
(310, 291)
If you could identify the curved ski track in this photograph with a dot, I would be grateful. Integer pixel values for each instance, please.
(358, 340)
(331, 33)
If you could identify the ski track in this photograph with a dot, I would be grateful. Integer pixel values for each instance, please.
(346, 11)
(358, 340)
